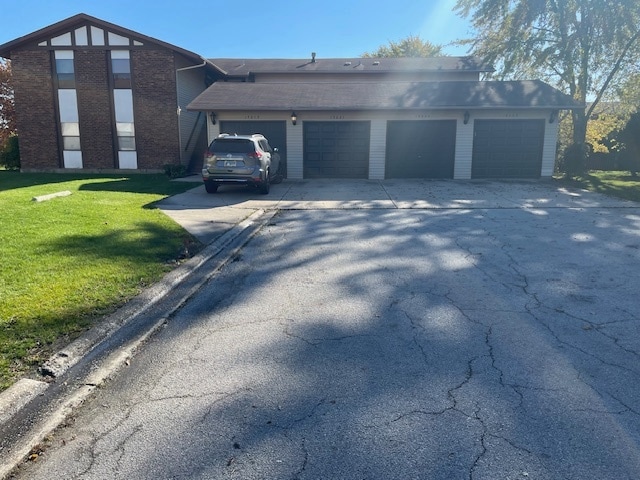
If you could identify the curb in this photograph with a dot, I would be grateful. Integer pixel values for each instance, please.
(17, 398)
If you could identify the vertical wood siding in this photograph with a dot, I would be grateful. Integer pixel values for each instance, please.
(464, 150)
(294, 151)
(377, 149)
(190, 84)
(550, 148)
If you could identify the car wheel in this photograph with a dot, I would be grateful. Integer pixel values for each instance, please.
(265, 186)
(279, 176)
(211, 187)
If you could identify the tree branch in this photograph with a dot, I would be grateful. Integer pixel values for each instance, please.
(613, 72)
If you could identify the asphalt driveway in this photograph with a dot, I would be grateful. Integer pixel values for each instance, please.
(364, 335)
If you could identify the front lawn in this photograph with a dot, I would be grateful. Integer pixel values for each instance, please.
(68, 261)
(616, 183)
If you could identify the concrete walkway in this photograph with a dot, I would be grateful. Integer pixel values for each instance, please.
(208, 216)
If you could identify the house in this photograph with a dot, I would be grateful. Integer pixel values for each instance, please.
(94, 96)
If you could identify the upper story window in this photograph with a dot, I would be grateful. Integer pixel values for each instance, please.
(65, 72)
(121, 68)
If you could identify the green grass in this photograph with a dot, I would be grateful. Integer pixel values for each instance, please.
(66, 262)
(615, 183)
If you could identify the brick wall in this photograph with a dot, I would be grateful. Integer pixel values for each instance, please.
(94, 109)
(35, 109)
(155, 103)
(154, 98)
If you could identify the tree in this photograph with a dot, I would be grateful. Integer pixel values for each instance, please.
(629, 139)
(581, 46)
(412, 46)
(7, 108)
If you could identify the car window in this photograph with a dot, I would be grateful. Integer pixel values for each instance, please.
(231, 146)
(265, 145)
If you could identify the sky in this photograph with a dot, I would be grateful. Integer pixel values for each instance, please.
(256, 29)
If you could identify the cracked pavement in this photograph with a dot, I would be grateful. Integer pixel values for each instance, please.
(439, 343)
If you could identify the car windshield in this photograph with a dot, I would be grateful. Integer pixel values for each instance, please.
(231, 146)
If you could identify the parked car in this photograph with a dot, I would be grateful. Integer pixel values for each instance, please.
(241, 159)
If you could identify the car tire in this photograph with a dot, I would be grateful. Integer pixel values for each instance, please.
(211, 187)
(279, 176)
(265, 186)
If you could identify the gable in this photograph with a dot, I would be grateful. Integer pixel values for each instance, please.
(90, 35)
(85, 31)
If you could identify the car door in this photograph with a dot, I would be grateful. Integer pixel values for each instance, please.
(274, 157)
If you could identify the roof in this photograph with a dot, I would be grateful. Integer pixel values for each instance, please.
(82, 19)
(382, 96)
(244, 67)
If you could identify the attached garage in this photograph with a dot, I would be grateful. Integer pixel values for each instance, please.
(275, 131)
(339, 128)
(336, 149)
(507, 148)
(420, 149)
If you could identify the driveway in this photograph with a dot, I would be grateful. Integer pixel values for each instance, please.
(208, 216)
(493, 336)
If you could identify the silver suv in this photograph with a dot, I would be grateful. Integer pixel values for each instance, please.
(241, 159)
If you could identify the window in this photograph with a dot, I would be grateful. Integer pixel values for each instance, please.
(121, 69)
(68, 117)
(126, 136)
(70, 135)
(65, 72)
(69, 121)
(123, 104)
(231, 146)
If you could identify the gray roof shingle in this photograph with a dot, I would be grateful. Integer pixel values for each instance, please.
(382, 96)
(244, 67)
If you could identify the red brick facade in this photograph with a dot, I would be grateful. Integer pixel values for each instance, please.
(154, 100)
(153, 66)
(155, 103)
(35, 110)
(94, 109)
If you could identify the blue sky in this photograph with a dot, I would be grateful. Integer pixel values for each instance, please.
(257, 29)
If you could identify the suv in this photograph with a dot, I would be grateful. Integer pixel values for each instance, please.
(241, 159)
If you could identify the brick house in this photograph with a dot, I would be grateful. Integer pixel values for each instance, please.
(94, 96)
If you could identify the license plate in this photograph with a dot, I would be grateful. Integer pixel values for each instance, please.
(229, 163)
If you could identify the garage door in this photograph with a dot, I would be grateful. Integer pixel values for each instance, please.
(275, 131)
(420, 149)
(507, 148)
(336, 149)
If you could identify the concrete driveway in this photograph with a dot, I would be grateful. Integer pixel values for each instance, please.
(209, 216)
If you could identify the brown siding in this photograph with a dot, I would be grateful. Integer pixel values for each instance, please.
(155, 103)
(35, 109)
(94, 105)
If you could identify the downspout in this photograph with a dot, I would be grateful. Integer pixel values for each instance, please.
(178, 107)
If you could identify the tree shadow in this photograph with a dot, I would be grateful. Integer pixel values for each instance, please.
(143, 243)
(442, 348)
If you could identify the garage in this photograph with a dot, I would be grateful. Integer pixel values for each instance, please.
(420, 149)
(507, 148)
(336, 149)
(274, 131)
